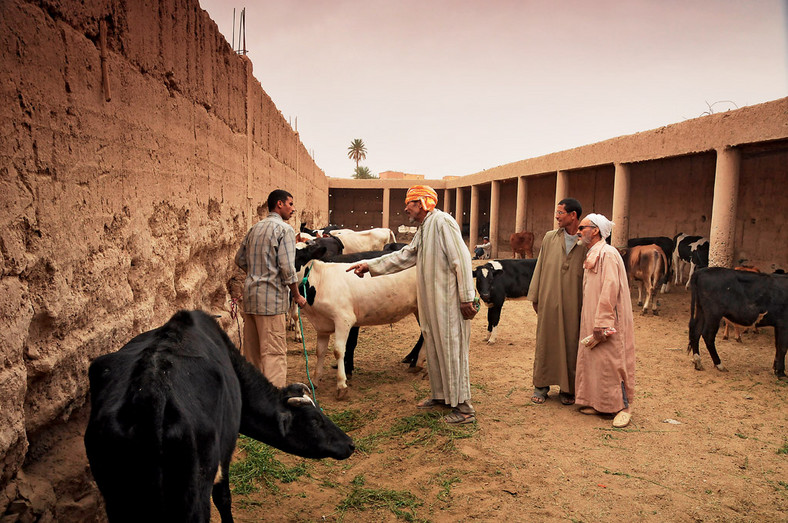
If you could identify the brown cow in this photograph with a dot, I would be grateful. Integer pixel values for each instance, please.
(522, 243)
(738, 330)
(646, 264)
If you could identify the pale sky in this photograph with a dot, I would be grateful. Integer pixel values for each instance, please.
(453, 87)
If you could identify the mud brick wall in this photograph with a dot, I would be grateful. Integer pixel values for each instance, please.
(116, 213)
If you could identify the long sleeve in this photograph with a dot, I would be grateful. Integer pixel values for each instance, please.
(608, 295)
(286, 257)
(397, 261)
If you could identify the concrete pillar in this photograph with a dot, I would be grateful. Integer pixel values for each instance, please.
(561, 187)
(473, 236)
(723, 211)
(446, 207)
(459, 206)
(620, 216)
(386, 207)
(522, 202)
(495, 200)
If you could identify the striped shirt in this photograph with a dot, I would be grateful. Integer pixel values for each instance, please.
(267, 254)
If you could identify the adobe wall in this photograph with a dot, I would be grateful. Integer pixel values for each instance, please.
(117, 213)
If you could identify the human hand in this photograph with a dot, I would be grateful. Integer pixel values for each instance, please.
(359, 269)
(300, 300)
(468, 310)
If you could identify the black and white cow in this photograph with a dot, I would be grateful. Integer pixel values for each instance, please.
(166, 410)
(352, 341)
(498, 281)
(338, 300)
(745, 298)
(682, 255)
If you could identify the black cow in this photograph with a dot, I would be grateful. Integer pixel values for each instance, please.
(166, 410)
(318, 249)
(667, 246)
(501, 279)
(746, 298)
(392, 247)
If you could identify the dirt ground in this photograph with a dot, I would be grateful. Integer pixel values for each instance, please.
(726, 458)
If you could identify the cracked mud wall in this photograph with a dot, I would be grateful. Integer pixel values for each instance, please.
(114, 214)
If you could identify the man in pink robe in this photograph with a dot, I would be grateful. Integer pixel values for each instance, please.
(605, 373)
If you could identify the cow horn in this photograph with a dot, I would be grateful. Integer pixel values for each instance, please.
(300, 401)
(304, 388)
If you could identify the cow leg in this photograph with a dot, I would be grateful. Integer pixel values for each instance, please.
(493, 318)
(737, 331)
(695, 327)
(221, 494)
(322, 348)
(709, 333)
(350, 351)
(340, 341)
(652, 297)
(725, 327)
(639, 285)
(781, 346)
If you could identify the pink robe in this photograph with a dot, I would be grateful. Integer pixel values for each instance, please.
(605, 374)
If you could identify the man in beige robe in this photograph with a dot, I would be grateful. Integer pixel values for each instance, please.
(605, 379)
(445, 298)
(557, 296)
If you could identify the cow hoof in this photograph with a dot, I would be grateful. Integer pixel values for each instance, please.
(644, 312)
(342, 394)
(698, 364)
(782, 377)
(415, 370)
(640, 304)
(721, 368)
(656, 313)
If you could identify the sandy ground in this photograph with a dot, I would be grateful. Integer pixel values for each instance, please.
(725, 460)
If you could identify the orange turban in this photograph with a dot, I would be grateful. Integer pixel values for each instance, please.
(425, 194)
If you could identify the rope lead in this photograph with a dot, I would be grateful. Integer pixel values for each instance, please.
(304, 281)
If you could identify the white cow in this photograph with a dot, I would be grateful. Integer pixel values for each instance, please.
(360, 241)
(338, 300)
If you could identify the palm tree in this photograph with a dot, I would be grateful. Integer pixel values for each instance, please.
(363, 173)
(357, 151)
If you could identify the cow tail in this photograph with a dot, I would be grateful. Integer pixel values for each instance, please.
(666, 271)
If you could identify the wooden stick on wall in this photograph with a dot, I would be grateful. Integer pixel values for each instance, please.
(104, 66)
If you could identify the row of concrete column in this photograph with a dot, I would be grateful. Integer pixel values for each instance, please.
(723, 216)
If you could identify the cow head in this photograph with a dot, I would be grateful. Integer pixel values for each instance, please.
(485, 275)
(305, 430)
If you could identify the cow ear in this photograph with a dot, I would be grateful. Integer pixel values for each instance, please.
(320, 252)
(285, 421)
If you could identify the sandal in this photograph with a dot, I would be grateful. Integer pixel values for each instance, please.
(459, 418)
(588, 410)
(540, 395)
(622, 419)
(430, 403)
(566, 398)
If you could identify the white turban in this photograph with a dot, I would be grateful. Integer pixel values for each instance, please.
(604, 225)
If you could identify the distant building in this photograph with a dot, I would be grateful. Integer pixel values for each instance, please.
(396, 175)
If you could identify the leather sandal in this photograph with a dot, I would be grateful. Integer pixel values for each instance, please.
(459, 418)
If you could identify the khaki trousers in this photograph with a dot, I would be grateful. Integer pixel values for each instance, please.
(265, 346)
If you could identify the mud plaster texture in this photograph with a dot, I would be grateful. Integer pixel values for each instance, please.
(114, 214)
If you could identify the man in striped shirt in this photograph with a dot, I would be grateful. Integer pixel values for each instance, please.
(267, 254)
